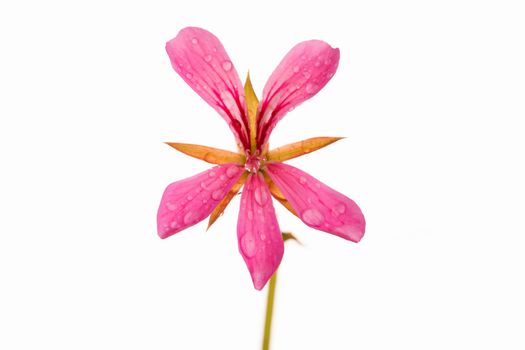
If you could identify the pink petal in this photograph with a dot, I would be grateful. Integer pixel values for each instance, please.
(189, 201)
(302, 73)
(260, 240)
(200, 59)
(318, 205)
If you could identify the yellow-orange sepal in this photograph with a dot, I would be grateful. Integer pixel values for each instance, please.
(219, 209)
(300, 148)
(208, 154)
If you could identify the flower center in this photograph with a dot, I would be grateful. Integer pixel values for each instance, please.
(254, 162)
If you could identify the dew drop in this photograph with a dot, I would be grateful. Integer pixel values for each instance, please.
(214, 49)
(327, 61)
(303, 57)
(340, 208)
(204, 201)
(250, 215)
(174, 224)
(291, 108)
(217, 194)
(212, 174)
(310, 88)
(248, 245)
(302, 180)
(171, 206)
(207, 58)
(312, 217)
(307, 75)
(231, 171)
(296, 69)
(261, 197)
(227, 66)
(194, 41)
(347, 230)
(191, 217)
(203, 185)
(222, 177)
(317, 64)
(263, 236)
(189, 197)
(189, 75)
(259, 211)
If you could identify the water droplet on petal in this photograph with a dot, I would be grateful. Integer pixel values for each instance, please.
(307, 74)
(204, 201)
(263, 236)
(217, 194)
(347, 230)
(303, 57)
(261, 197)
(291, 108)
(248, 246)
(327, 61)
(174, 224)
(189, 75)
(211, 174)
(302, 180)
(194, 41)
(340, 208)
(310, 88)
(203, 185)
(312, 217)
(296, 69)
(191, 217)
(171, 206)
(214, 49)
(189, 197)
(250, 215)
(207, 58)
(227, 66)
(317, 64)
(259, 211)
(231, 171)
(222, 177)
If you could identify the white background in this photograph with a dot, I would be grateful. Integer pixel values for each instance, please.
(429, 94)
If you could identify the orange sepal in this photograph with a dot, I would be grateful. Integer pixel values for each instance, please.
(300, 148)
(208, 154)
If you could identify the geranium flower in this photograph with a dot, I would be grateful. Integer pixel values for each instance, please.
(200, 59)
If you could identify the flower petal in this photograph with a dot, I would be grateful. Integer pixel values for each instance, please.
(277, 194)
(200, 59)
(318, 205)
(189, 201)
(301, 74)
(219, 209)
(260, 240)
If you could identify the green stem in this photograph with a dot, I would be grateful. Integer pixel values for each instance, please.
(269, 312)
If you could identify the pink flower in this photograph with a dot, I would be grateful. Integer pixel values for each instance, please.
(200, 59)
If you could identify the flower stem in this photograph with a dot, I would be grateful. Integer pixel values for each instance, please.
(269, 312)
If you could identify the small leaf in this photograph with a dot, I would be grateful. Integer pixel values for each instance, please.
(277, 194)
(300, 148)
(208, 154)
(252, 102)
(219, 209)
